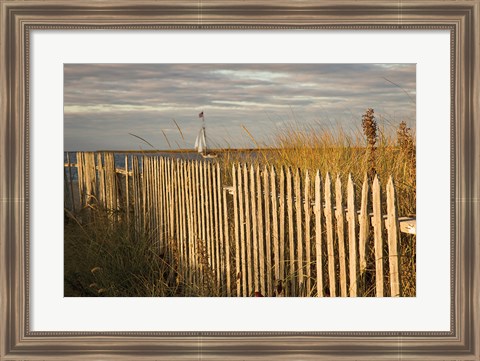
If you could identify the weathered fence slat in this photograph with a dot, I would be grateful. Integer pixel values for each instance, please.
(256, 270)
(299, 226)
(318, 234)
(329, 228)
(268, 237)
(70, 176)
(364, 226)
(248, 231)
(339, 215)
(182, 208)
(275, 235)
(378, 237)
(228, 269)
(281, 221)
(217, 181)
(260, 228)
(192, 233)
(392, 231)
(308, 247)
(236, 192)
(127, 193)
(352, 237)
(291, 236)
(242, 231)
(102, 184)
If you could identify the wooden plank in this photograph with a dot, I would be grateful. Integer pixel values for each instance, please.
(377, 231)
(217, 241)
(260, 228)
(219, 229)
(66, 196)
(275, 235)
(329, 228)
(137, 194)
(191, 220)
(202, 206)
(408, 225)
(281, 225)
(127, 193)
(91, 177)
(160, 205)
(237, 225)
(171, 206)
(339, 215)
(268, 237)
(181, 216)
(102, 187)
(241, 213)
(196, 218)
(318, 234)
(80, 181)
(393, 238)
(145, 190)
(352, 237)
(363, 220)
(228, 268)
(308, 247)
(113, 187)
(208, 213)
(248, 232)
(300, 239)
(177, 217)
(291, 237)
(163, 173)
(186, 224)
(255, 272)
(70, 176)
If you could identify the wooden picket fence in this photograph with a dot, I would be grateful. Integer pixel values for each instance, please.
(250, 230)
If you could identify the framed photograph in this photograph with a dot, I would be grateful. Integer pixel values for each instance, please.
(239, 180)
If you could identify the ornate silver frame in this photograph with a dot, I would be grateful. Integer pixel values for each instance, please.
(19, 17)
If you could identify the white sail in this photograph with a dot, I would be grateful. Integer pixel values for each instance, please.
(200, 142)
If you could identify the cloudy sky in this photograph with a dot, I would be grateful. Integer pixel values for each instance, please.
(103, 103)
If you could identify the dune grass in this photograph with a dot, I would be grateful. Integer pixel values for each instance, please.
(105, 258)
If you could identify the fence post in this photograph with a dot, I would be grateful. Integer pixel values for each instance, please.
(352, 236)
(242, 231)
(260, 237)
(248, 230)
(329, 227)
(268, 238)
(255, 248)
(291, 237)
(377, 229)
(281, 220)
(318, 233)
(219, 226)
(298, 210)
(341, 236)
(364, 226)
(236, 192)
(276, 246)
(392, 229)
(308, 249)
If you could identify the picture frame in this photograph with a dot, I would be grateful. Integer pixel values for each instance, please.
(17, 341)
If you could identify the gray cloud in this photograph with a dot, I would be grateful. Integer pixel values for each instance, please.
(105, 102)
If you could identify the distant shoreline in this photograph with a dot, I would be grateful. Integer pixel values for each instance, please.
(177, 150)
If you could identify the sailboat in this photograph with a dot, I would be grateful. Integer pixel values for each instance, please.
(201, 141)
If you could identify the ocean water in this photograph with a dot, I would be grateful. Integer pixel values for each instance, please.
(120, 158)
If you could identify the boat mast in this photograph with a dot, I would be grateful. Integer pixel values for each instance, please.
(201, 115)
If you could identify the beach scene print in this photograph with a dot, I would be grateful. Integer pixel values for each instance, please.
(239, 180)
